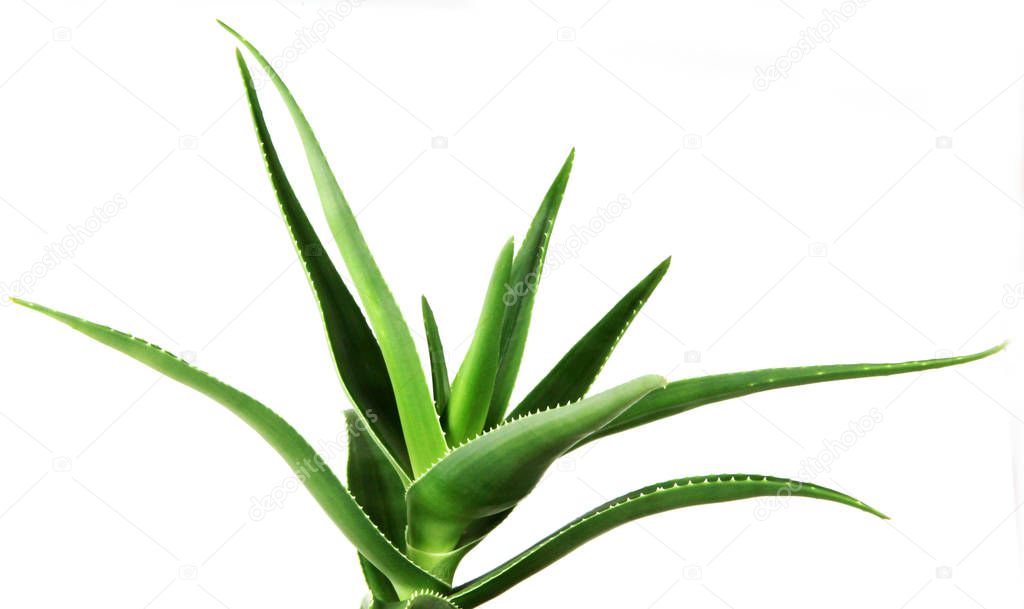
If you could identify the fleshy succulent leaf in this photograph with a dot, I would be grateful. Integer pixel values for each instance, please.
(419, 600)
(523, 282)
(421, 427)
(649, 500)
(380, 587)
(494, 471)
(474, 383)
(380, 492)
(356, 353)
(431, 473)
(310, 467)
(573, 375)
(438, 366)
(680, 396)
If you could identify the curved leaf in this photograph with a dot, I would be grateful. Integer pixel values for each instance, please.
(421, 427)
(680, 396)
(380, 492)
(309, 466)
(523, 281)
(572, 377)
(649, 500)
(438, 367)
(493, 472)
(474, 383)
(357, 355)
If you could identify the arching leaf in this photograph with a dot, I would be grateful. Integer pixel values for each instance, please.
(680, 396)
(650, 500)
(310, 467)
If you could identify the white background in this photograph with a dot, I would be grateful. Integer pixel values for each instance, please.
(121, 490)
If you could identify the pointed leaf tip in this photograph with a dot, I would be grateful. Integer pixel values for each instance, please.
(420, 426)
(323, 485)
(492, 472)
(475, 381)
(687, 394)
(573, 375)
(356, 353)
(526, 271)
(438, 366)
(650, 500)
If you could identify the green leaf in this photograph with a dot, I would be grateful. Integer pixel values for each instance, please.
(572, 377)
(310, 467)
(523, 282)
(380, 492)
(420, 600)
(356, 353)
(494, 471)
(438, 367)
(421, 427)
(380, 587)
(474, 383)
(680, 396)
(650, 500)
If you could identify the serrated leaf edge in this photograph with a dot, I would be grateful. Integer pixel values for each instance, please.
(643, 493)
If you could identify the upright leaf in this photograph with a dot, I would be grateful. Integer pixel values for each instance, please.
(356, 353)
(572, 377)
(438, 367)
(310, 467)
(493, 472)
(650, 500)
(380, 492)
(680, 396)
(523, 282)
(421, 427)
(474, 383)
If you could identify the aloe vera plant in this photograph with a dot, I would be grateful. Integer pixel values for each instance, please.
(433, 468)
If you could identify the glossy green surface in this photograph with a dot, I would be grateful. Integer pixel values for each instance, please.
(474, 384)
(649, 500)
(438, 365)
(310, 468)
(505, 464)
(422, 429)
(433, 469)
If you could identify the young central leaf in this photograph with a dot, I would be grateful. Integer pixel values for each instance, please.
(474, 383)
(493, 472)
(524, 279)
(438, 367)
